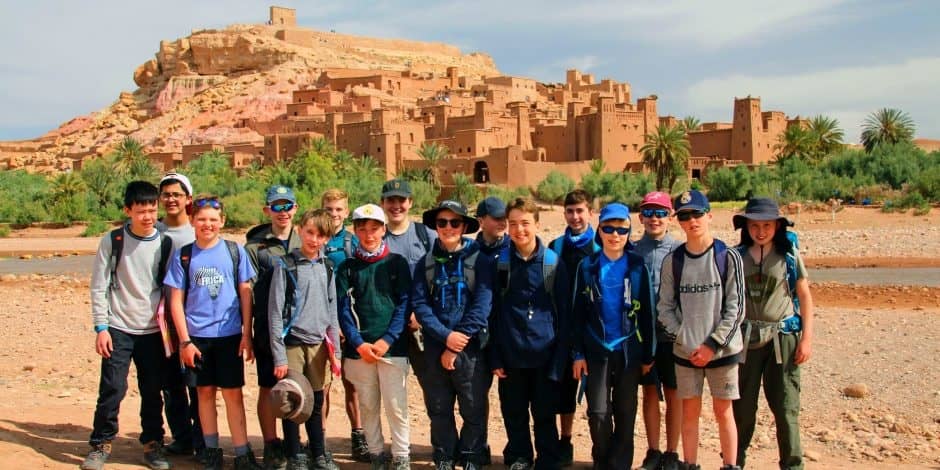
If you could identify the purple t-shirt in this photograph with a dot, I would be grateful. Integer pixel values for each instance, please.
(212, 304)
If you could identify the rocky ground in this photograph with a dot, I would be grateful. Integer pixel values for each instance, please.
(870, 393)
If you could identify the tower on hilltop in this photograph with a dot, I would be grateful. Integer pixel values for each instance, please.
(281, 16)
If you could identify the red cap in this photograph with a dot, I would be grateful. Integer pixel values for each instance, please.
(657, 198)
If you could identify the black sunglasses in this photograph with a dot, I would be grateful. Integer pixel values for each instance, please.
(609, 229)
(658, 213)
(282, 207)
(454, 223)
(212, 202)
(687, 216)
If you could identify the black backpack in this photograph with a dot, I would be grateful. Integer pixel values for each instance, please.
(117, 249)
(186, 254)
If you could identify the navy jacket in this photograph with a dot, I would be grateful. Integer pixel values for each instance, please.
(439, 318)
(588, 326)
(518, 339)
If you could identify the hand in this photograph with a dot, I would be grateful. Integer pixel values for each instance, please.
(280, 372)
(245, 350)
(803, 351)
(413, 324)
(499, 373)
(579, 369)
(188, 354)
(646, 368)
(456, 341)
(366, 353)
(103, 344)
(379, 348)
(449, 360)
(701, 356)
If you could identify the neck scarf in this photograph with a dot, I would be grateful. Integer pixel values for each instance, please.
(371, 257)
(581, 240)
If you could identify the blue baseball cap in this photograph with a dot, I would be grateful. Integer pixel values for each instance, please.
(279, 193)
(614, 210)
(493, 207)
(692, 200)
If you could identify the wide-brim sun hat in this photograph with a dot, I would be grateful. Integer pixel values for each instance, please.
(761, 209)
(292, 398)
(430, 216)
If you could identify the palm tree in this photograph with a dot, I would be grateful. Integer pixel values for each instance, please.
(825, 135)
(666, 153)
(67, 185)
(690, 123)
(887, 126)
(127, 153)
(795, 142)
(433, 153)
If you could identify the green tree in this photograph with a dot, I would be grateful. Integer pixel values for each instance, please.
(554, 187)
(594, 181)
(98, 175)
(126, 153)
(825, 136)
(464, 190)
(690, 123)
(433, 153)
(666, 153)
(887, 126)
(794, 142)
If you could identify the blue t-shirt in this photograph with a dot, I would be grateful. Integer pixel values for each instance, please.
(212, 304)
(335, 249)
(613, 284)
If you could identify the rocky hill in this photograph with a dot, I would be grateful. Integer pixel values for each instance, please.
(205, 87)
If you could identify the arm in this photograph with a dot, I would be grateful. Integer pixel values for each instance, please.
(481, 299)
(667, 307)
(646, 317)
(732, 312)
(276, 301)
(344, 313)
(804, 348)
(492, 351)
(188, 351)
(334, 329)
(100, 304)
(246, 273)
(579, 313)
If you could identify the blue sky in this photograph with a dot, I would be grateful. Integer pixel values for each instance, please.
(840, 58)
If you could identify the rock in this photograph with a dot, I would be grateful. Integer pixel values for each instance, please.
(64, 394)
(811, 455)
(858, 390)
(26, 256)
(28, 367)
(7, 277)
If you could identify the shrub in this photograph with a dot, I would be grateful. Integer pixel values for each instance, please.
(95, 228)
(464, 190)
(4, 231)
(554, 187)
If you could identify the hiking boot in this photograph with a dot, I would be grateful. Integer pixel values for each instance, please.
(472, 466)
(359, 448)
(730, 467)
(379, 462)
(201, 455)
(178, 448)
(670, 461)
(154, 456)
(249, 462)
(274, 458)
(213, 459)
(565, 453)
(520, 464)
(401, 462)
(652, 461)
(298, 462)
(691, 466)
(444, 465)
(324, 462)
(97, 457)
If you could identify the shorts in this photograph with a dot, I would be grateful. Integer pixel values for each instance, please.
(311, 360)
(722, 382)
(220, 365)
(264, 365)
(568, 392)
(663, 374)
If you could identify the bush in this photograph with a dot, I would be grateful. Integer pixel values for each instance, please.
(507, 194)
(4, 231)
(95, 228)
(464, 190)
(554, 187)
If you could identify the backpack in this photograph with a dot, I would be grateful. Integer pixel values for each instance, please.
(549, 269)
(421, 231)
(678, 262)
(587, 276)
(558, 245)
(466, 274)
(117, 249)
(347, 245)
(289, 263)
(186, 254)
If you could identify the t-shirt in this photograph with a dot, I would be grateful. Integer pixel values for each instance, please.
(212, 304)
(181, 235)
(613, 284)
(409, 245)
(768, 293)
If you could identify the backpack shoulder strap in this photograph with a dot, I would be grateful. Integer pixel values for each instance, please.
(721, 259)
(502, 270)
(678, 262)
(469, 271)
(236, 259)
(429, 271)
(422, 232)
(186, 255)
(290, 290)
(549, 270)
(347, 244)
(166, 248)
(558, 245)
(117, 248)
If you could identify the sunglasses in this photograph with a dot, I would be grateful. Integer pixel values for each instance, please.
(658, 213)
(281, 207)
(454, 223)
(212, 202)
(687, 216)
(609, 229)
(172, 195)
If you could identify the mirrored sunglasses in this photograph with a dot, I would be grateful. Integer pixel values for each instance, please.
(658, 213)
(687, 216)
(282, 207)
(609, 229)
(212, 202)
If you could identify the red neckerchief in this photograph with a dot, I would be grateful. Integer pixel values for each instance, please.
(372, 257)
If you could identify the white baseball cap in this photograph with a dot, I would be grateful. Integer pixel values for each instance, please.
(179, 178)
(369, 212)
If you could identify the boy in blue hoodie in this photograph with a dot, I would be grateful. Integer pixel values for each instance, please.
(528, 352)
(452, 297)
(613, 338)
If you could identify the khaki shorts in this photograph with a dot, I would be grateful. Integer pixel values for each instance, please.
(722, 382)
(312, 361)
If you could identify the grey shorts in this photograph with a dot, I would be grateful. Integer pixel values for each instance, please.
(722, 382)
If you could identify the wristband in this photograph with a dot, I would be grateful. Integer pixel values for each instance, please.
(100, 328)
(185, 343)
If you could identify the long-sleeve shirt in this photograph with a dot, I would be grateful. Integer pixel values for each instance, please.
(131, 305)
(372, 300)
(314, 309)
(711, 309)
(654, 252)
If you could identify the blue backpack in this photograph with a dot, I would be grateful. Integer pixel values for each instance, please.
(549, 269)
(587, 277)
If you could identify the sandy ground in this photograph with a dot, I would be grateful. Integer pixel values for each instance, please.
(883, 337)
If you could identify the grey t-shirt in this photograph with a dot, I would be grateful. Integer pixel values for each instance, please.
(409, 245)
(181, 235)
(768, 293)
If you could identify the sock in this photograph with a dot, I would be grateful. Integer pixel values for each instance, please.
(565, 439)
(291, 437)
(241, 450)
(212, 440)
(314, 426)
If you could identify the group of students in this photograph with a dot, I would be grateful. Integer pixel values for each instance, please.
(588, 315)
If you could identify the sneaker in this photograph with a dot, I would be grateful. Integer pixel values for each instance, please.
(213, 459)
(401, 462)
(652, 461)
(97, 457)
(670, 461)
(274, 458)
(201, 455)
(691, 466)
(472, 466)
(298, 462)
(379, 462)
(565, 453)
(444, 465)
(730, 467)
(154, 456)
(520, 464)
(324, 462)
(178, 448)
(249, 462)
(359, 448)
